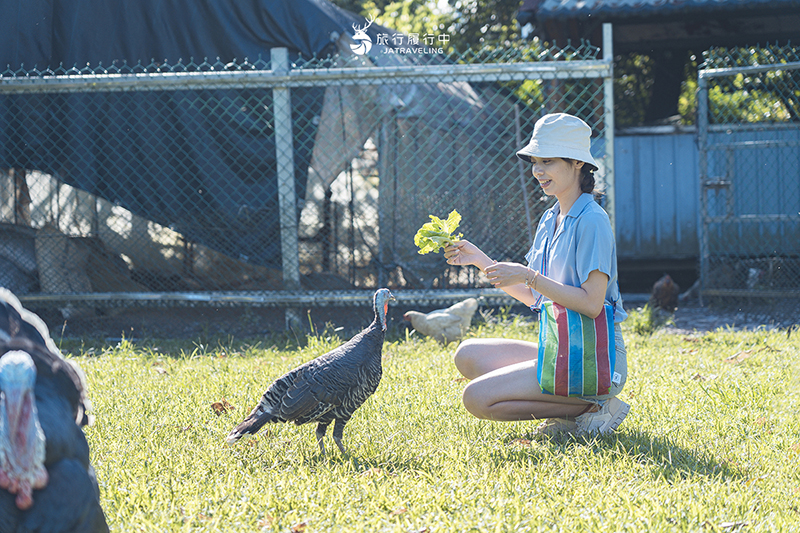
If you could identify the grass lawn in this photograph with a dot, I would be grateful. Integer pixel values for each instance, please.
(712, 442)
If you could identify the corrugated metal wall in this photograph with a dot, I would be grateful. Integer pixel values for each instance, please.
(658, 193)
(755, 214)
(657, 196)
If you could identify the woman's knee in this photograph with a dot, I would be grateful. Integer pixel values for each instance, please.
(466, 358)
(474, 402)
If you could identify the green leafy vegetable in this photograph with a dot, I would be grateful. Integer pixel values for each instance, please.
(437, 233)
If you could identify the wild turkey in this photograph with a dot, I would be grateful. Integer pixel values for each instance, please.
(47, 483)
(330, 387)
(444, 325)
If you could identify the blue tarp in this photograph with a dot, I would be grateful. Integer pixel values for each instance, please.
(169, 156)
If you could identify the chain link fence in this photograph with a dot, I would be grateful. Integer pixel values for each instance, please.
(749, 140)
(278, 181)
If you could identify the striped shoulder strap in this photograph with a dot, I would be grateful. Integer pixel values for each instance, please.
(537, 305)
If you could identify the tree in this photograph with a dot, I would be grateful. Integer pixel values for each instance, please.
(484, 23)
(406, 16)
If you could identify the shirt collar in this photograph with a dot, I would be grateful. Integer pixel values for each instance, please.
(583, 200)
(580, 204)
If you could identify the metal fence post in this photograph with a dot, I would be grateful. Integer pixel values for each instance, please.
(287, 201)
(702, 159)
(608, 118)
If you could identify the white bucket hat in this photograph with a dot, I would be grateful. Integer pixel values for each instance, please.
(560, 135)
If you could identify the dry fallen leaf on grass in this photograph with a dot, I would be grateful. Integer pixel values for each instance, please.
(222, 406)
(738, 357)
(398, 511)
(299, 527)
(754, 479)
(267, 521)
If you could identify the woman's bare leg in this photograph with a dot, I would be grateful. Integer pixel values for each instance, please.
(475, 357)
(512, 393)
(504, 385)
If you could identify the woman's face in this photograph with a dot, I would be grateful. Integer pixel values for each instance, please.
(557, 176)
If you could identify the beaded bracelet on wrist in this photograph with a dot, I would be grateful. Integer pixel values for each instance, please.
(531, 283)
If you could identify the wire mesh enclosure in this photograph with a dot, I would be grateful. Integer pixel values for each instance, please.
(266, 182)
(749, 137)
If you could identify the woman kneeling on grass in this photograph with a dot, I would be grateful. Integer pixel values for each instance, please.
(576, 236)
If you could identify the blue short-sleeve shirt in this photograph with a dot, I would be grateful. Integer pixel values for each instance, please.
(583, 242)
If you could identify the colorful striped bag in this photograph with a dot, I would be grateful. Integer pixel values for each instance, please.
(577, 354)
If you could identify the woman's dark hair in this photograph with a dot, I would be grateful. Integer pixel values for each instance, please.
(587, 178)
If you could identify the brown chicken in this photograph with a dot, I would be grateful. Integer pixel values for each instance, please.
(665, 294)
(444, 325)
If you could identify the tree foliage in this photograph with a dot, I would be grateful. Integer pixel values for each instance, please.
(406, 16)
(484, 23)
(488, 25)
(471, 25)
(633, 80)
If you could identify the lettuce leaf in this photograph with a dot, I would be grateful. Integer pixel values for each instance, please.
(437, 233)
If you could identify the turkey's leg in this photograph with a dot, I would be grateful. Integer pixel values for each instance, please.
(321, 429)
(338, 430)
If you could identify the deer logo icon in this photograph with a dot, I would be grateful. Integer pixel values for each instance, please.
(362, 42)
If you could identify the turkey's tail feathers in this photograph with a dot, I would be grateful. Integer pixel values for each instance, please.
(265, 412)
(250, 425)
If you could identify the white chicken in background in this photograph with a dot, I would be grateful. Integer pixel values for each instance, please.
(444, 325)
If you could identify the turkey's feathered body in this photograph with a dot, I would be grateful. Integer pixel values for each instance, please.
(70, 501)
(330, 387)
